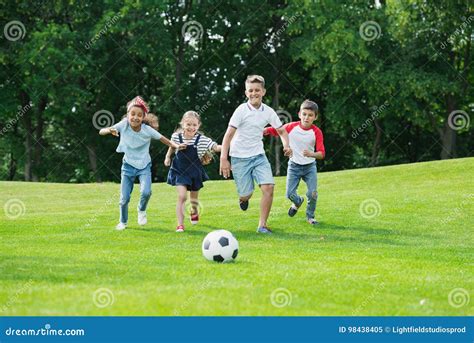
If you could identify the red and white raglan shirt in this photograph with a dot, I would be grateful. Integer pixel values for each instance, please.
(301, 139)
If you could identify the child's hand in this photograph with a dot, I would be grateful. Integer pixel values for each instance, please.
(167, 161)
(287, 152)
(307, 153)
(114, 132)
(225, 168)
(181, 146)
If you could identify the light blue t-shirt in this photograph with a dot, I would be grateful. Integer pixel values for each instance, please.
(135, 145)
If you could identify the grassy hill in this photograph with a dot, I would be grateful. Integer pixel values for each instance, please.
(394, 240)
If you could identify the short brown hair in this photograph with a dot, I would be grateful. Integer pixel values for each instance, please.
(255, 79)
(310, 105)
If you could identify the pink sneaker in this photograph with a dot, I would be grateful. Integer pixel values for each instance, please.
(180, 228)
(194, 218)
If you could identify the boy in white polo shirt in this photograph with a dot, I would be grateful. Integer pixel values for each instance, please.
(244, 138)
(306, 142)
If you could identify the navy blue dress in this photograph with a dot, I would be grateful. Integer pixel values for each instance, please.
(186, 169)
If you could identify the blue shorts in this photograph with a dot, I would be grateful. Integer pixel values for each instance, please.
(252, 169)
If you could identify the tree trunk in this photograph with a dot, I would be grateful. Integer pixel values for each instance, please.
(11, 167)
(93, 161)
(449, 135)
(26, 118)
(38, 144)
(376, 147)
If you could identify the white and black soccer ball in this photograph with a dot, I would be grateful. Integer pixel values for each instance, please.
(220, 246)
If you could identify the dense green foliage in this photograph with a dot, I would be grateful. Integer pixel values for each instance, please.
(387, 77)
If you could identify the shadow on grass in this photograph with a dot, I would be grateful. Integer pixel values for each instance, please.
(323, 232)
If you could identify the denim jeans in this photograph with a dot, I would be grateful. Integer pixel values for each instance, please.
(252, 169)
(129, 174)
(308, 173)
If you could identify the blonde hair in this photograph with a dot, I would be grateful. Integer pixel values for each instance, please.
(186, 115)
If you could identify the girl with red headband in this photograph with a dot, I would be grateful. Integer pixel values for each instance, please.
(135, 138)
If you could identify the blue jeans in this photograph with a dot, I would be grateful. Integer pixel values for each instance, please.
(308, 173)
(129, 174)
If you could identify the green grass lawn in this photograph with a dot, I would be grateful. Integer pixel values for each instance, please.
(406, 260)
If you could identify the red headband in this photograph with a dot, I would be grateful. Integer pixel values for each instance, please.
(138, 101)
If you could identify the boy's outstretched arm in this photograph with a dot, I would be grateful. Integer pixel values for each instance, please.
(225, 167)
(217, 148)
(285, 140)
(108, 131)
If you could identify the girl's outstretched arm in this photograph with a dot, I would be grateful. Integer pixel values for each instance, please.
(108, 131)
(171, 144)
(168, 156)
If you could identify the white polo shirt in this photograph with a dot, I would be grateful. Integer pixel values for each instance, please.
(250, 122)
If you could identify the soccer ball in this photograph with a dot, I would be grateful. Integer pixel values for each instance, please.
(220, 246)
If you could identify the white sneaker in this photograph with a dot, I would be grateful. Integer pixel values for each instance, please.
(142, 218)
(121, 226)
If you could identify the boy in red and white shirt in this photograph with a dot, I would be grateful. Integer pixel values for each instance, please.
(306, 143)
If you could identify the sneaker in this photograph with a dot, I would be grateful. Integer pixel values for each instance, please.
(264, 229)
(194, 218)
(244, 205)
(142, 218)
(294, 208)
(121, 226)
(312, 221)
(180, 228)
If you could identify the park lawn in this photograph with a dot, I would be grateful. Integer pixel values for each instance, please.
(406, 260)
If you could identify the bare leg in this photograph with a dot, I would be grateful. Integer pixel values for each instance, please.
(194, 202)
(265, 203)
(181, 203)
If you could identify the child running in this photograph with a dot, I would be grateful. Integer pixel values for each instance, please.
(135, 139)
(306, 142)
(244, 140)
(187, 172)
